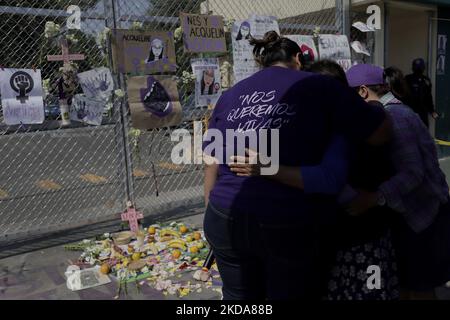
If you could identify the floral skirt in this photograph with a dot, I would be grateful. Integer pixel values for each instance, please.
(350, 274)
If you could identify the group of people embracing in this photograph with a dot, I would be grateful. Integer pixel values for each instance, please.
(358, 208)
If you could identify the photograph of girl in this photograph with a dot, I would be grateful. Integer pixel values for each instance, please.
(209, 86)
(156, 51)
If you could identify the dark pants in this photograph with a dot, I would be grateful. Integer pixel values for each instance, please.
(424, 258)
(274, 258)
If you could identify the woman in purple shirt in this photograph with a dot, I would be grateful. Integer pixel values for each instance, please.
(261, 231)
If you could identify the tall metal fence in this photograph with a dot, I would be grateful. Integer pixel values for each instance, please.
(55, 177)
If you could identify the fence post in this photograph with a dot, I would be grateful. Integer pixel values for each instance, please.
(343, 16)
(122, 131)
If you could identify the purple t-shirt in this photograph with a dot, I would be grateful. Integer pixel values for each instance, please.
(308, 109)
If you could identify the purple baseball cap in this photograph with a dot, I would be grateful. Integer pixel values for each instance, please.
(365, 75)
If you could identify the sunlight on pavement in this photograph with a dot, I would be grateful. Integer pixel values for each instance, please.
(92, 178)
(138, 173)
(48, 185)
(169, 166)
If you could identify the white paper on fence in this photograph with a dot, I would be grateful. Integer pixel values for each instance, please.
(97, 83)
(206, 95)
(361, 26)
(306, 43)
(87, 110)
(360, 48)
(22, 94)
(85, 279)
(244, 64)
(334, 47)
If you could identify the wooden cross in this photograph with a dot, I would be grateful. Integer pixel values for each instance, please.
(132, 216)
(66, 57)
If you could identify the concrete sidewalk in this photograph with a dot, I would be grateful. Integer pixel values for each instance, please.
(39, 275)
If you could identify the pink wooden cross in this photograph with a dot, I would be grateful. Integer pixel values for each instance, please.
(132, 216)
(66, 57)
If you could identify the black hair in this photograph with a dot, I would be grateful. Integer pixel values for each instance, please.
(329, 68)
(211, 87)
(399, 87)
(274, 48)
(151, 56)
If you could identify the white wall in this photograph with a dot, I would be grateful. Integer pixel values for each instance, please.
(407, 38)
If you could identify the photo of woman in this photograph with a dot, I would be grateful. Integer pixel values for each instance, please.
(156, 51)
(208, 83)
(244, 31)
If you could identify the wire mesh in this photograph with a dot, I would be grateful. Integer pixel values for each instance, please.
(56, 177)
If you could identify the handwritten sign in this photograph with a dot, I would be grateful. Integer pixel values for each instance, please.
(337, 48)
(22, 94)
(256, 26)
(87, 110)
(154, 102)
(203, 33)
(207, 85)
(143, 52)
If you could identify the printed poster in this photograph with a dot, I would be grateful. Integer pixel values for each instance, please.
(337, 48)
(203, 33)
(208, 81)
(154, 102)
(307, 45)
(21, 96)
(143, 52)
(442, 54)
(256, 26)
(87, 110)
(97, 83)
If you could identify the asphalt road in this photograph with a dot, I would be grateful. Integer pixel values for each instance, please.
(54, 179)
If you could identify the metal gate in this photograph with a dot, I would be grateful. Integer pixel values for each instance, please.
(55, 177)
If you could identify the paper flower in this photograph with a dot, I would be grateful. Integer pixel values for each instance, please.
(137, 25)
(316, 32)
(103, 37)
(72, 38)
(51, 29)
(119, 93)
(178, 34)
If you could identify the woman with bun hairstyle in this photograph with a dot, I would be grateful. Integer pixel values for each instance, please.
(262, 231)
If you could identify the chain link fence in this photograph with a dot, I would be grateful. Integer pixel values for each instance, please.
(56, 177)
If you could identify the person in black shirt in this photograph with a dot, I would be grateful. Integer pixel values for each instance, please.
(421, 92)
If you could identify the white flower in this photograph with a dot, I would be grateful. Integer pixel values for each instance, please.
(137, 25)
(119, 93)
(178, 34)
(51, 29)
(72, 38)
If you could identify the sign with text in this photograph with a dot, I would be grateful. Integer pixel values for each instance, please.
(203, 33)
(337, 48)
(143, 52)
(21, 96)
(256, 26)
